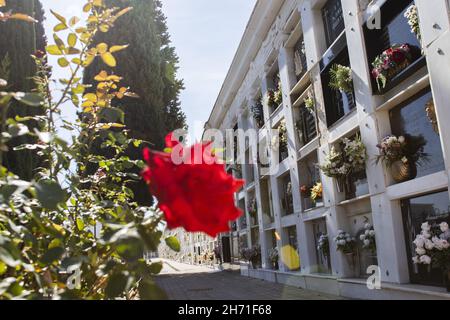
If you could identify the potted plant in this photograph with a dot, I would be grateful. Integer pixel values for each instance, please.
(341, 78)
(273, 257)
(345, 243)
(401, 155)
(342, 165)
(433, 249)
(390, 63)
(316, 194)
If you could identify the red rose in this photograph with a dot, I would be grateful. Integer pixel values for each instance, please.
(198, 197)
(398, 56)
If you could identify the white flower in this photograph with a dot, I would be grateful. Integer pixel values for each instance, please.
(367, 232)
(342, 242)
(429, 245)
(362, 237)
(367, 226)
(419, 242)
(372, 233)
(366, 243)
(416, 260)
(426, 226)
(425, 259)
(401, 139)
(444, 226)
(426, 234)
(421, 251)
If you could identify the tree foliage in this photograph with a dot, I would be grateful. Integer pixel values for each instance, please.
(18, 41)
(149, 66)
(66, 234)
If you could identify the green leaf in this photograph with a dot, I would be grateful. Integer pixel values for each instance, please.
(80, 224)
(109, 59)
(3, 268)
(173, 243)
(130, 248)
(148, 290)
(117, 285)
(58, 41)
(53, 50)
(63, 62)
(73, 21)
(112, 115)
(59, 17)
(60, 27)
(49, 193)
(155, 268)
(72, 39)
(52, 255)
(30, 99)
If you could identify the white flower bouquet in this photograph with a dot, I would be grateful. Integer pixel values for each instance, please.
(368, 238)
(345, 242)
(432, 246)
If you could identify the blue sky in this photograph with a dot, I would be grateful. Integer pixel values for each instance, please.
(206, 34)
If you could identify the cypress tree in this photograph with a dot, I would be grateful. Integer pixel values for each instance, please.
(148, 66)
(18, 41)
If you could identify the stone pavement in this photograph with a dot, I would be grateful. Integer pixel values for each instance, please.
(187, 282)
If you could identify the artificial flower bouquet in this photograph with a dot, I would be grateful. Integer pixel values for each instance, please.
(323, 245)
(352, 159)
(310, 102)
(341, 78)
(345, 242)
(368, 238)
(316, 192)
(390, 63)
(432, 246)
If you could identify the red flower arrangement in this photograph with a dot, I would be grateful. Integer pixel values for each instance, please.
(390, 63)
(196, 194)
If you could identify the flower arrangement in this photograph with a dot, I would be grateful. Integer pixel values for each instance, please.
(258, 114)
(404, 149)
(316, 192)
(323, 245)
(275, 96)
(413, 20)
(341, 78)
(344, 242)
(252, 207)
(273, 255)
(368, 238)
(252, 255)
(310, 102)
(432, 246)
(390, 63)
(283, 136)
(305, 191)
(351, 159)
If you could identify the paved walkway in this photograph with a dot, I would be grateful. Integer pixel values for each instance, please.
(187, 282)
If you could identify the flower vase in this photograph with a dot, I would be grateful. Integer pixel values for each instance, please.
(446, 275)
(402, 171)
(350, 257)
(399, 68)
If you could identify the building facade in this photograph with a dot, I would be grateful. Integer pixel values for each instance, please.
(195, 248)
(288, 51)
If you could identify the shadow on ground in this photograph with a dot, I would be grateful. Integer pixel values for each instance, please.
(230, 285)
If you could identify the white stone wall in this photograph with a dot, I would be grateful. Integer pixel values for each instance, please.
(371, 119)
